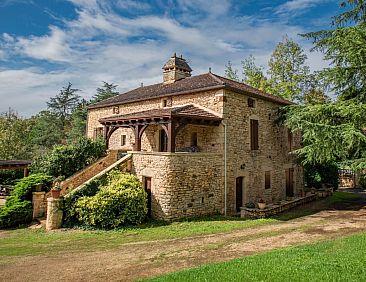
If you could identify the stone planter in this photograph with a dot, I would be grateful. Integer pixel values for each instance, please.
(261, 206)
(55, 194)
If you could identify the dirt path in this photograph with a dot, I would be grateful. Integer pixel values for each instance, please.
(146, 259)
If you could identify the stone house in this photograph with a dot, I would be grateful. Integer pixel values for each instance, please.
(201, 144)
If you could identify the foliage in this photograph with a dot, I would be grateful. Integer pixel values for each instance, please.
(107, 90)
(15, 214)
(10, 177)
(122, 201)
(317, 175)
(332, 132)
(88, 190)
(64, 103)
(230, 72)
(78, 122)
(65, 160)
(14, 132)
(288, 71)
(362, 181)
(46, 131)
(18, 207)
(253, 75)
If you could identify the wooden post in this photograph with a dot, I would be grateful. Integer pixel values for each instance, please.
(137, 146)
(171, 137)
(25, 172)
(105, 136)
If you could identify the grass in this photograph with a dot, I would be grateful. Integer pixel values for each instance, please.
(336, 260)
(27, 241)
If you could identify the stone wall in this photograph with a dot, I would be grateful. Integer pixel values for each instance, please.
(182, 184)
(212, 100)
(273, 154)
(93, 169)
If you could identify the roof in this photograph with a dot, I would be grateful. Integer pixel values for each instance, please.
(175, 61)
(189, 111)
(12, 163)
(193, 84)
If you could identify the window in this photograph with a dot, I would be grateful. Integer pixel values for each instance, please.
(164, 103)
(123, 140)
(251, 103)
(98, 132)
(116, 110)
(254, 134)
(194, 140)
(267, 179)
(289, 139)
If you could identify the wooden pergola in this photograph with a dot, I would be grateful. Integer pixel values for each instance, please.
(171, 119)
(16, 165)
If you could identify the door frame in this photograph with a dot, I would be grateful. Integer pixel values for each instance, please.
(239, 181)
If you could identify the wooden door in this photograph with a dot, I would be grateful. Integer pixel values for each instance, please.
(290, 182)
(147, 186)
(163, 141)
(239, 193)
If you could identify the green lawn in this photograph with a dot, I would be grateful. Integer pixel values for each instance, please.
(337, 260)
(27, 241)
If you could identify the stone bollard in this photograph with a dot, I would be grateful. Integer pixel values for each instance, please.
(54, 213)
(38, 204)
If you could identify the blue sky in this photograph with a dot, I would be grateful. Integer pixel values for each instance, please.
(44, 44)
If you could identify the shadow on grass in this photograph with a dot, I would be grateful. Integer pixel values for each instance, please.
(338, 201)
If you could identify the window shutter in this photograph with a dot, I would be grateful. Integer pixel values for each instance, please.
(267, 180)
(254, 134)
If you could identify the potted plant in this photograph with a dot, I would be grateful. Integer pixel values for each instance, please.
(56, 188)
(261, 204)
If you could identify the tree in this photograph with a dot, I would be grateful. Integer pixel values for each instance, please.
(288, 71)
(107, 90)
(253, 75)
(14, 132)
(64, 103)
(46, 131)
(78, 122)
(230, 72)
(335, 132)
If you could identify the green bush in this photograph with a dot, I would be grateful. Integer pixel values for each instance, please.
(16, 213)
(88, 190)
(18, 207)
(23, 189)
(317, 175)
(362, 181)
(65, 160)
(122, 201)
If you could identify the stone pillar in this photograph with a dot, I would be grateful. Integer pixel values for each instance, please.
(54, 213)
(38, 204)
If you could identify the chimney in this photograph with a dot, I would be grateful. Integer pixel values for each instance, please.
(176, 68)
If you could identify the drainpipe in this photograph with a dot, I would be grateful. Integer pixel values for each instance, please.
(225, 167)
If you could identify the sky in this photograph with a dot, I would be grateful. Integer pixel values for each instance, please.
(44, 44)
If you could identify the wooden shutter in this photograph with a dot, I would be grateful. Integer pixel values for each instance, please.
(267, 180)
(254, 134)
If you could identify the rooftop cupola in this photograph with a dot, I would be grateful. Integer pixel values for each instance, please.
(176, 68)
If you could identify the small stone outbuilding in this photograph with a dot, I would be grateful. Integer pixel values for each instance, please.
(201, 144)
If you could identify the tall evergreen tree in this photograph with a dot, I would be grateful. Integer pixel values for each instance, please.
(64, 103)
(107, 90)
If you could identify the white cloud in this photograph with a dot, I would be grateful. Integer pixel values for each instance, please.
(295, 7)
(51, 47)
(132, 5)
(101, 45)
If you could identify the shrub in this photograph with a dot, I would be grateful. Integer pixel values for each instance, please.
(90, 189)
(362, 181)
(18, 207)
(16, 213)
(23, 189)
(316, 175)
(122, 201)
(65, 160)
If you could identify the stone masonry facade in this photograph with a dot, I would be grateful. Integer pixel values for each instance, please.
(192, 184)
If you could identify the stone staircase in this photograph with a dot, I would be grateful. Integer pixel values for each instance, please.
(101, 166)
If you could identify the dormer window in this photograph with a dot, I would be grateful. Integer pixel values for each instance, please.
(116, 110)
(251, 103)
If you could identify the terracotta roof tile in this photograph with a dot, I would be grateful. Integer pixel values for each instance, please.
(188, 85)
(179, 111)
